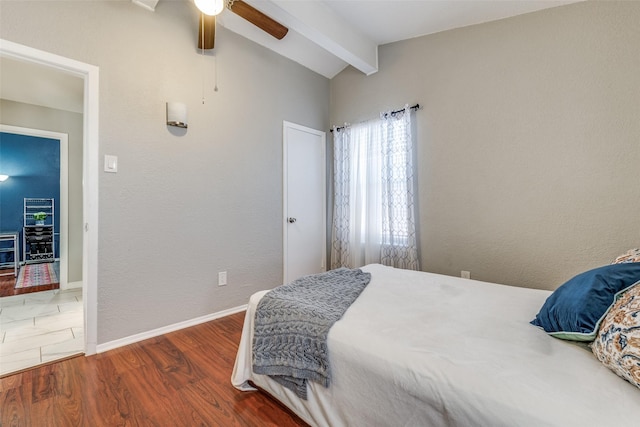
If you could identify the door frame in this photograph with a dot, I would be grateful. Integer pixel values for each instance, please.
(285, 192)
(90, 168)
(63, 138)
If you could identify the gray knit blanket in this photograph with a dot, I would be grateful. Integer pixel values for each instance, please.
(292, 323)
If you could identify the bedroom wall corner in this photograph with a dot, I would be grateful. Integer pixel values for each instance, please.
(527, 139)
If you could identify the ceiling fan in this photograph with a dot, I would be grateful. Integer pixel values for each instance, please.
(211, 8)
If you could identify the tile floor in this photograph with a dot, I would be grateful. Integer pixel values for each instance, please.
(40, 327)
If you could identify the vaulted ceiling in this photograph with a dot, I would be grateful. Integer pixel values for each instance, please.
(327, 35)
(324, 35)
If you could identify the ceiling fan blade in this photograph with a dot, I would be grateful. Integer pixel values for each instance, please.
(259, 19)
(209, 35)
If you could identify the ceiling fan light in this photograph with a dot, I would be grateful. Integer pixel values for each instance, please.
(210, 7)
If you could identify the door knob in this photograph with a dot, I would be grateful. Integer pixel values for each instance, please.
(292, 220)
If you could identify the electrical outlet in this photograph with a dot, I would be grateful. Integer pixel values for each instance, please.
(222, 278)
(465, 274)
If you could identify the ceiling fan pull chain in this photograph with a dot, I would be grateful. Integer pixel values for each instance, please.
(215, 76)
(215, 58)
(203, 59)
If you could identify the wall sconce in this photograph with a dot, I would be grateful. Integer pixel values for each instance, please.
(3, 177)
(177, 114)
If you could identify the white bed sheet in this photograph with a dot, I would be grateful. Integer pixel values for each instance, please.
(421, 349)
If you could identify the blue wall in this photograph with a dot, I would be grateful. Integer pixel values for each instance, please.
(33, 166)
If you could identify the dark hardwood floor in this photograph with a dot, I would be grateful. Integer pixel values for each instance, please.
(8, 283)
(177, 379)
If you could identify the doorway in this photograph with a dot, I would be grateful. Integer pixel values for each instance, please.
(90, 160)
(304, 197)
(12, 218)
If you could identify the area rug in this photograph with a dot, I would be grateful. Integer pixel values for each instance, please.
(37, 275)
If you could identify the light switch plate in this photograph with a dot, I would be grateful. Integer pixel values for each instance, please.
(110, 163)
(222, 278)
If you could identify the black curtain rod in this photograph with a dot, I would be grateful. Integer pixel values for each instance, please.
(392, 113)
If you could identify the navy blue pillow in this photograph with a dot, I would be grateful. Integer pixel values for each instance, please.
(574, 310)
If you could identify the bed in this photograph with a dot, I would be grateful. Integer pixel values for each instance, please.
(421, 349)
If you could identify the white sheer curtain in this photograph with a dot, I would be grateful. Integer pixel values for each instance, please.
(374, 208)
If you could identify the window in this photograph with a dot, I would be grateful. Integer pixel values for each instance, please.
(374, 208)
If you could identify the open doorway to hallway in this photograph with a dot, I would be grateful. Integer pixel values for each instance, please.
(39, 322)
(89, 74)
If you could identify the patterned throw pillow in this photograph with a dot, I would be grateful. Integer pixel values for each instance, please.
(632, 255)
(617, 344)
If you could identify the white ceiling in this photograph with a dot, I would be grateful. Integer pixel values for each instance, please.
(324, 35)
(387, 21)
(327, 35)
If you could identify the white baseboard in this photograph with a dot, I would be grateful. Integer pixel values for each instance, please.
(100, 348)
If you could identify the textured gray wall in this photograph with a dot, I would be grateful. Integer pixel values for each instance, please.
(181, 207)
(35, 117)
(528, 139)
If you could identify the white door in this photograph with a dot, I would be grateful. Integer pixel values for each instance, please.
(304, 201)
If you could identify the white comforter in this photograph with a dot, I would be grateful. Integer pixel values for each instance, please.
(420, 349)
